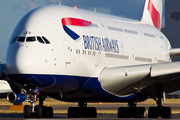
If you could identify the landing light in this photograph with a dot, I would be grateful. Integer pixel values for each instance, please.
(75, 7)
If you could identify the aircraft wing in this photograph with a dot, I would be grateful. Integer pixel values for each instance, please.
(6, 91)
(131, 79)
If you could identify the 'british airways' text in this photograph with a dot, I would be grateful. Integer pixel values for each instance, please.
(102, 44)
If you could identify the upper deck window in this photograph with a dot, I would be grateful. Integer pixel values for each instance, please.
(131, 31)
(115, 29)
(149, 35)
(46, 41)
(161, 37)
(94, 25)
(30, 39)
(21, 39)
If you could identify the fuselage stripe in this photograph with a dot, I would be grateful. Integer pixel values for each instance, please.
(74, 22)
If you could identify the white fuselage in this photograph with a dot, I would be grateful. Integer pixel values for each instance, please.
(108, 41)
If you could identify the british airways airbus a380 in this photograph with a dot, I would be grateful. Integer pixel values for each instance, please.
(81, 56)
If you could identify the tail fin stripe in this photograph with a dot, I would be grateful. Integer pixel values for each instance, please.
(155, 15)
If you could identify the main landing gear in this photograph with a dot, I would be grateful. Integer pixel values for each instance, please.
(131, 111)
(140, 112)
(82, 111)
(155, 112)
(38, 111)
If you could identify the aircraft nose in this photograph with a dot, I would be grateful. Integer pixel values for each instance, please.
(30, 59)
(18, 60)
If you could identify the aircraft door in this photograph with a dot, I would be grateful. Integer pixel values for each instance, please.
(97, 58)
(67, 51)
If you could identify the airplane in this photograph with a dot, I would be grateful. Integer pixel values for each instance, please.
(81, 56)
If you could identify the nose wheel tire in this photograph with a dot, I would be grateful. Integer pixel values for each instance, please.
(27, 111)
(38, 111)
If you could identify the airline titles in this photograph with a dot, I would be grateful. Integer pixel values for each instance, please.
(102, 44)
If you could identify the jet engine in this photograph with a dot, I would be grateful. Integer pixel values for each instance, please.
(16, 98)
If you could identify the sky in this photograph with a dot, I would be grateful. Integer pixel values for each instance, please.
(11, 11)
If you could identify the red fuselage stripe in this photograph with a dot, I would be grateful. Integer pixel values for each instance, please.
(75, 22)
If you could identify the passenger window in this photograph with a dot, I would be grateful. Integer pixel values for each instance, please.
(46, 41)
(21, 39)
(40, 39)
(14, 39)
(30, 39)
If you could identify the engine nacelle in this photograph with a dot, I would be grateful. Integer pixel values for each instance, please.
(16, 98)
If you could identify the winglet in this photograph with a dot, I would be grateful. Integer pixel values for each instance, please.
(152, 13)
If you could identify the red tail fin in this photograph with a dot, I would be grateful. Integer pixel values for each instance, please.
(153, 13)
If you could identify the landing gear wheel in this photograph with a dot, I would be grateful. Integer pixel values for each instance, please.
(139, 112)
(128, 112)
(90, 112)
(153, 112)
(143, 112)
(27, 111)
(38, 111)
(166, 112)
(94, 112)
(47, 112)
(85, 112)
(124, 112)
(72, 112)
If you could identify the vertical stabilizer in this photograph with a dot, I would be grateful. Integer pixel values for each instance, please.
(152, 13)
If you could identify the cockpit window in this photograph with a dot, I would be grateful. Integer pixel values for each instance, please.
(14, 39)
(21, 39)
(40, 39)
(46, 41)
(30, 39)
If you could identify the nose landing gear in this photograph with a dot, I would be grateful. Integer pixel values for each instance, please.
(38, 111)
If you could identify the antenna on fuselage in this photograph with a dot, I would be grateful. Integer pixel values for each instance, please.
(94, 9)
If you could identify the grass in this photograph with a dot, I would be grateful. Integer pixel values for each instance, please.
(53, 102)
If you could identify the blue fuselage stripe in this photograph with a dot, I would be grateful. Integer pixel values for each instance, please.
(74, 88)
(72, 34)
